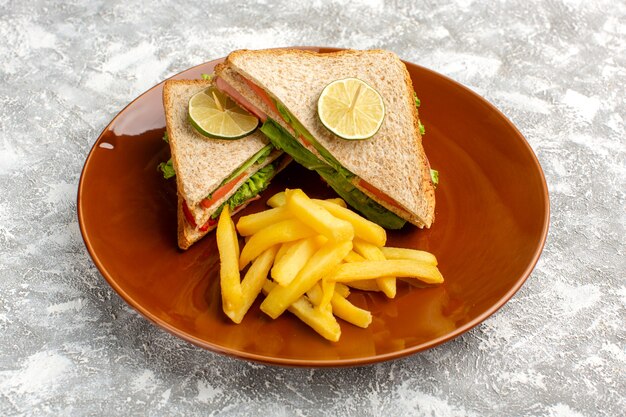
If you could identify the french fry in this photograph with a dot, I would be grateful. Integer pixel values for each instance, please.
(322, 322)
(317, 217)
(352, 256)
(342, 289)
(316, 250)
(253, 223)
(282, 250)
(328, 291)
(347, 311)
(357, 271)
(315, 293)
(287, 267)
(228, 247)
(277, 200)
(318, 266)
(341, 307)
(253, 282)
(386, 284)
(416, 255)
(336, 201)
(363, 228)
(364, 285)
(281, 232)
(367, 285)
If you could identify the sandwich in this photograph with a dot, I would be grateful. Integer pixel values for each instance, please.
(386, 177)
(212, 173)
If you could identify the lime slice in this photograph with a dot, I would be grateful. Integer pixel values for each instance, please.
(216, 115)
(351, 109)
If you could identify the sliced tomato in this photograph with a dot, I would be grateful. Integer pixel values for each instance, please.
(379, 194)
(306, 143)
(221, 192)
(188, 214)
(262, 95)
(209, 223)
(266, 98)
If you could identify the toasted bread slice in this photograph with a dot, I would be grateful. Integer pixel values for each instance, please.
(392, 161)
(201, 163)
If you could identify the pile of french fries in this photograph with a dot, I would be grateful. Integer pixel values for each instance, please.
(305, 255)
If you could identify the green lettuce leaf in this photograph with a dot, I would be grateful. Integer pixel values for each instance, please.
(167, 169)
(353, 196)
(300, 130)
(418, 103)
(434, 176)
(250, 189)
(257, 158)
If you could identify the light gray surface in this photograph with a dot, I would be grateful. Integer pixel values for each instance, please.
(70, 346)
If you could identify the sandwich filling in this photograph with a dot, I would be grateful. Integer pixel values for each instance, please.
(303, 147)
(238, 189)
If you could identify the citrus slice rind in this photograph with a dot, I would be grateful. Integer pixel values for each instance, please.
(215, 115)
(351, 109)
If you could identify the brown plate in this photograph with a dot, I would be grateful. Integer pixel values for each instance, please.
(491, 224)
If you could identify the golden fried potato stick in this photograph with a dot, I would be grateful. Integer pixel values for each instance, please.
(416, 255)
(363, 228)
(341, 307)
(328, 290)
(277, 200)
(342, 289)
(317, 217)
(281, 232)
(336, 201)
(287, 267)
(366, 285)
(253, 223)
(349, 272)
(315, 293)
(283, 249)
(352, 256)
(322, 322)
(373, 253)
(320, 265)
(347, 311)
(253, 282)
(228, 248)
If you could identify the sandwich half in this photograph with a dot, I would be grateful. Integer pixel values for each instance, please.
(211, 173)
(387, 177)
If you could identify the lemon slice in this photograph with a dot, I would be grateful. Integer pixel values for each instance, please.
(216, 115)
(351, 109)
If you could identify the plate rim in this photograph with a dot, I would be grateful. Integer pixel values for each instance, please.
(317, 363)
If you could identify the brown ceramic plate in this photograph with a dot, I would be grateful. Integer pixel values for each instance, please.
(491, 223)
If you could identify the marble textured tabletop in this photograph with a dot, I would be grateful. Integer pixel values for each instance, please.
(70, 346)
